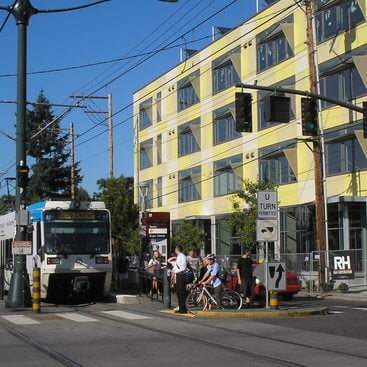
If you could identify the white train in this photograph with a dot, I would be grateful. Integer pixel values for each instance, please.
(71, 244)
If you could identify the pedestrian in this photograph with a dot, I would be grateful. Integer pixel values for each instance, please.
(195, 262)
(123, 264)
(179, 268)
(245, 277)
(153, 268)
(211, 278)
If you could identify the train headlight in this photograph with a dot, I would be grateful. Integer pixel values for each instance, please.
(53, 261)
(102, 260)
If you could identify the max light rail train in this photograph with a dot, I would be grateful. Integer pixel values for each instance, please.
(71, 244)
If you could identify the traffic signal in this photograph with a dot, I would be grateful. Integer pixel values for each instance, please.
(365, 120)
(243, 105)
(23, 171)
(309, 116)
(277, 108)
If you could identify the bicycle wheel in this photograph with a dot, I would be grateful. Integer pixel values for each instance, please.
(196, 300)
(231, 300)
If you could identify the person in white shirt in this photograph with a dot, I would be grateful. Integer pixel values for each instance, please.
(179, 268)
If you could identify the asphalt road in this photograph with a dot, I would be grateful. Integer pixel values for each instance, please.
(116, 335)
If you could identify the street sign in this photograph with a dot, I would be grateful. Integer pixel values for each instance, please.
(342, 265)
(22, 248)
(267, 230)
(267, 204)
(277, 277)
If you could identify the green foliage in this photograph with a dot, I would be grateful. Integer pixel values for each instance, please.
(6, 204)
(188, 236)
(343, 287)
(327, 287)
(118, 195)
(49, 149)
(242, 220)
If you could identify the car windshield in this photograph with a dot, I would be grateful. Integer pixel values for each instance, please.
(76, 232)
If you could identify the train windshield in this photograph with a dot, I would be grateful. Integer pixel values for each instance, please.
(77, 232)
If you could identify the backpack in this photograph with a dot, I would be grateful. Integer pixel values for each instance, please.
(222, 274)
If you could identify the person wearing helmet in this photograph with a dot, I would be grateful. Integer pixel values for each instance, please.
(211, 278)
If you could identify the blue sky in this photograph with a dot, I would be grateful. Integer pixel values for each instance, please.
(105, 32)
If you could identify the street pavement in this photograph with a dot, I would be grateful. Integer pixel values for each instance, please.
(110, 334)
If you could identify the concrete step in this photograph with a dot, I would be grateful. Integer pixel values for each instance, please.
(126, 299)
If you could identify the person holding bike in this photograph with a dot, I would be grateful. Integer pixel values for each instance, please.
(211, 278)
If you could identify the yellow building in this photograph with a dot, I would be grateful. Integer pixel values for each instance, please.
(189, 153)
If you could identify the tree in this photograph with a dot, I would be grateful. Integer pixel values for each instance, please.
(243, 218)
(51, 172)
(6, 204)
(188, 236)
(118, 195)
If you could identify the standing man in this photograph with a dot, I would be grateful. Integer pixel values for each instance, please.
(211, 277)
(179, 269)
(245, 277)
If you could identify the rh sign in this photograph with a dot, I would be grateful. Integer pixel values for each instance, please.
(342, 266)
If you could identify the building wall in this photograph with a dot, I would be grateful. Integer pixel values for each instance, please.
(284, 19)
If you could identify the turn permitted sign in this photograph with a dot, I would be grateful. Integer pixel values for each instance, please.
(267, 204)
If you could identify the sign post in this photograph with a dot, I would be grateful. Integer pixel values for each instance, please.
(267, 228)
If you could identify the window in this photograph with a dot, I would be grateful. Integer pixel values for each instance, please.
(224, 125)
(188, 91)
(159, 191)
(336, 16)
(227, 175)
(275, 166)
(343, 152)
(159, 148)
(343, 84)
(189, 185)
(275, 44)
(149, 198)
(145, 114)
(226, 70)
(159, 106)
(146, 154)
(263, 109)
(189, 138)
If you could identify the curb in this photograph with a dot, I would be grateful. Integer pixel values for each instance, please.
(264, 314)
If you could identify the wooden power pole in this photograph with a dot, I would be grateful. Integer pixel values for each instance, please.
(109, 113)
(317, 149)
(72, 162)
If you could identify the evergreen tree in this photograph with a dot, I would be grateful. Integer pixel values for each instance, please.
(118, 195)
(6, 204)
(51, 172)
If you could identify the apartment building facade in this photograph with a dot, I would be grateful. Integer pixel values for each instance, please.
(192, 159)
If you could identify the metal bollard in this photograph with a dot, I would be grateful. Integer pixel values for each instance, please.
(37, 290)
(166, 290)
(274, 301)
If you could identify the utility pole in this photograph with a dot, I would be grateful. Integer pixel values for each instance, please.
(109, 113)
(320, 224)
(72, 162)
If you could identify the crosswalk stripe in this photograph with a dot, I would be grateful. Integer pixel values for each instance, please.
(76, 317)
(126, 315)
(20, 320)
(360, 308)
(335, 312)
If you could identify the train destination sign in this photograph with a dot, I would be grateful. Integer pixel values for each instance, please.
(267, 204)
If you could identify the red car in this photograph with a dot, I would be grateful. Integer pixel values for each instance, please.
(293, 286)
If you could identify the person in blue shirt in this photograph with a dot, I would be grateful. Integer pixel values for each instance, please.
(211, 278)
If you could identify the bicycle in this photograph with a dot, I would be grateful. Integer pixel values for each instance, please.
(200, 299)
